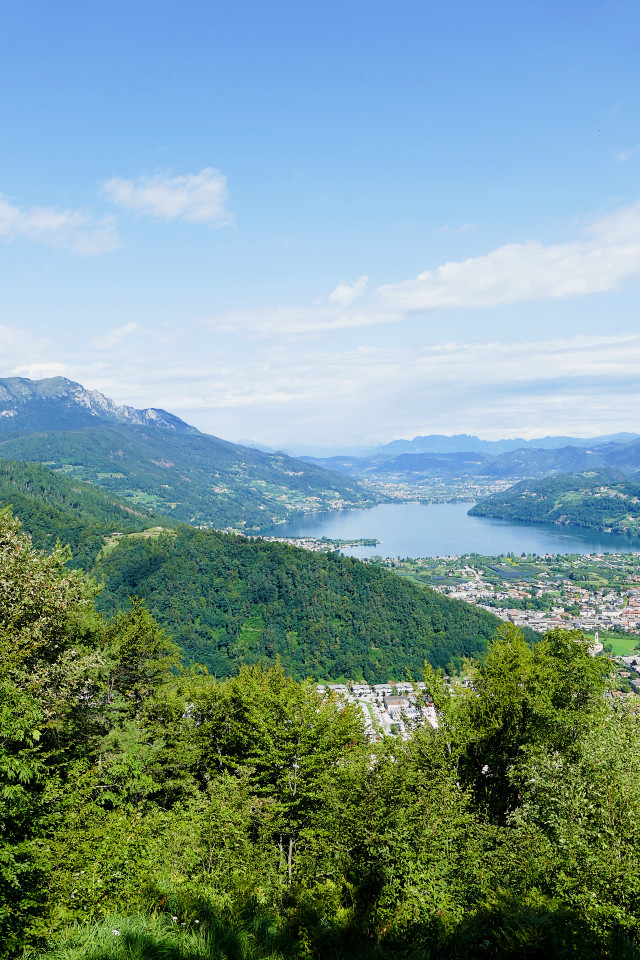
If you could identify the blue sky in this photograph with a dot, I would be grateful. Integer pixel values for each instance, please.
(327, 224)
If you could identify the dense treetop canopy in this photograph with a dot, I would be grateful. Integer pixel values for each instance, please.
(250, 817)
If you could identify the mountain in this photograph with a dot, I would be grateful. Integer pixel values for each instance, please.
(538, 462)
(228, 600)
(418, 465)
(522, 462)
(60, 404)
(464, 443)
(53, 507)
(601, 499)
(625, 457)
(154, 460)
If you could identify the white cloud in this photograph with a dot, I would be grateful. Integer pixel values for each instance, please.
(197, 197)
(288, 393)
(115, 338)
(344, 294)
(625, 155)
(67, 229)
(41, 370)
(606, 255)
(463, 228)
(580, 385)
(22, 351)
(293, 321)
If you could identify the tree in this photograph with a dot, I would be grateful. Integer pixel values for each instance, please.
(142, 652)
(21, 775)
(288, 738)
(47, 676)
(519, 698)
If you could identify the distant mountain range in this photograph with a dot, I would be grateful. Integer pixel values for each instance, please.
(439, 443)
(552, 455)
(155, 461)
(464, 443)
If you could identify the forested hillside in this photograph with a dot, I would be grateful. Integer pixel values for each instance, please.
(600, 499)
(228, 600)
(53, 507)
(153, 814)
(189, 477)
(156, 461)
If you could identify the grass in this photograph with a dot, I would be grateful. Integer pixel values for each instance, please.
(252, 933)
(112, 542)
(166, 938)
(622, 644)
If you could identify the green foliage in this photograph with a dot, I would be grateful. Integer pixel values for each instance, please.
(600, 499)
(54, 507)
(46, 613)
(289, 738)
(163, 938)
(142, 653)
(21, 773)
(250, 818)
(227, 601)
(545, 696)
(45, 619)
(188, 476)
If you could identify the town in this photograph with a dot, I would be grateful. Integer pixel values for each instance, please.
(389, 709)
(593, 593)
(322, 544)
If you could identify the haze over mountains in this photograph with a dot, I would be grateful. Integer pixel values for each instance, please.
(463, 442)
(466, 457)
(154, 460)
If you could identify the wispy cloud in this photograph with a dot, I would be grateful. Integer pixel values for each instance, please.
(463, 228)
(115, 338)
(72, 230)
(294, 321)
(41, 370)
(607, 254)
(578, 385)
(25, 353)
(345, 293)
(625, 155)
(196, 197)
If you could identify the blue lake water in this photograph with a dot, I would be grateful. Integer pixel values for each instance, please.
(444, 529)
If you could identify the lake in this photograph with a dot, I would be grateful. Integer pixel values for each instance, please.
(444, 529)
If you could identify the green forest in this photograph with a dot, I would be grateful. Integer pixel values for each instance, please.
(228, 600)
(52, 508)
(600, 499)
(153, 811)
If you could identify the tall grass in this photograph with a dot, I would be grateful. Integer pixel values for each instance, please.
(166, 938)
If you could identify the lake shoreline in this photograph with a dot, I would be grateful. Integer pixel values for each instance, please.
(417, 529)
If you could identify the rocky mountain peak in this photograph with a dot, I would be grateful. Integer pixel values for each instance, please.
(57, 401)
